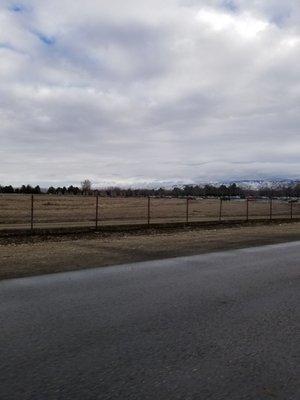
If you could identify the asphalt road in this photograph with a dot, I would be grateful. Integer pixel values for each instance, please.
(215, 326)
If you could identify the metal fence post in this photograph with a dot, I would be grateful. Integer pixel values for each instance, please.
(247, 210)
(31, 214)
(187, 210)
(220, 211)
(97, 211)
(148, 211)
(291, 210)
(271, 208)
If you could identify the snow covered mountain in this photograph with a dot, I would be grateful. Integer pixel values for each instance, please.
(264, 183)
(254, 184)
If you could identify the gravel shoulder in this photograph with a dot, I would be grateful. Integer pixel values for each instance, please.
(45, 255)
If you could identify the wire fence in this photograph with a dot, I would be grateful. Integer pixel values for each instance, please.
(57, 211)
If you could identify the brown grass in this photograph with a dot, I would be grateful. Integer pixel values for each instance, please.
(15, 210)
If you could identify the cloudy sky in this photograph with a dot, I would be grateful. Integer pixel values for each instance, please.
(143, 91)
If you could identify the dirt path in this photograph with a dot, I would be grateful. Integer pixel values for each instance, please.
(35, 256)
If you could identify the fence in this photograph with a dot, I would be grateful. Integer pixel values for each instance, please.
(54, 211)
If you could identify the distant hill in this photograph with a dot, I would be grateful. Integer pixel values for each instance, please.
(263, 183)
(254, 184)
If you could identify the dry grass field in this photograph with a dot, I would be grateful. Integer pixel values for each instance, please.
(51, 210)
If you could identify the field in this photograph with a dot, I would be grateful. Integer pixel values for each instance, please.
(16, 211)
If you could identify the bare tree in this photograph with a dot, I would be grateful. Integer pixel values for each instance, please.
(86, 186)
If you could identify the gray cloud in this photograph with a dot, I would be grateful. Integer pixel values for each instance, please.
(184, 91)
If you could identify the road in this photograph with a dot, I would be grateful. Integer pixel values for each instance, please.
(216, 326)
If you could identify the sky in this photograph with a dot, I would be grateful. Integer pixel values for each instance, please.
(137, 92)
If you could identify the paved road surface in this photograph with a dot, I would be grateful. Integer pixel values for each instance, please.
(215, 326)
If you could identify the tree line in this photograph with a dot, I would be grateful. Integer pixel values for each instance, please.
(208, 190)
(24, 189)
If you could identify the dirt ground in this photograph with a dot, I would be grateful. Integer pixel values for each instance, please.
(42, 255)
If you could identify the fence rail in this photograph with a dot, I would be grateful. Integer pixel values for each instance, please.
(55, 211)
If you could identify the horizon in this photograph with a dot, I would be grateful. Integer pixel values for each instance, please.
(166, 185)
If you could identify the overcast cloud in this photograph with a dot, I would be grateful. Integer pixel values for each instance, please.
(140, 91)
